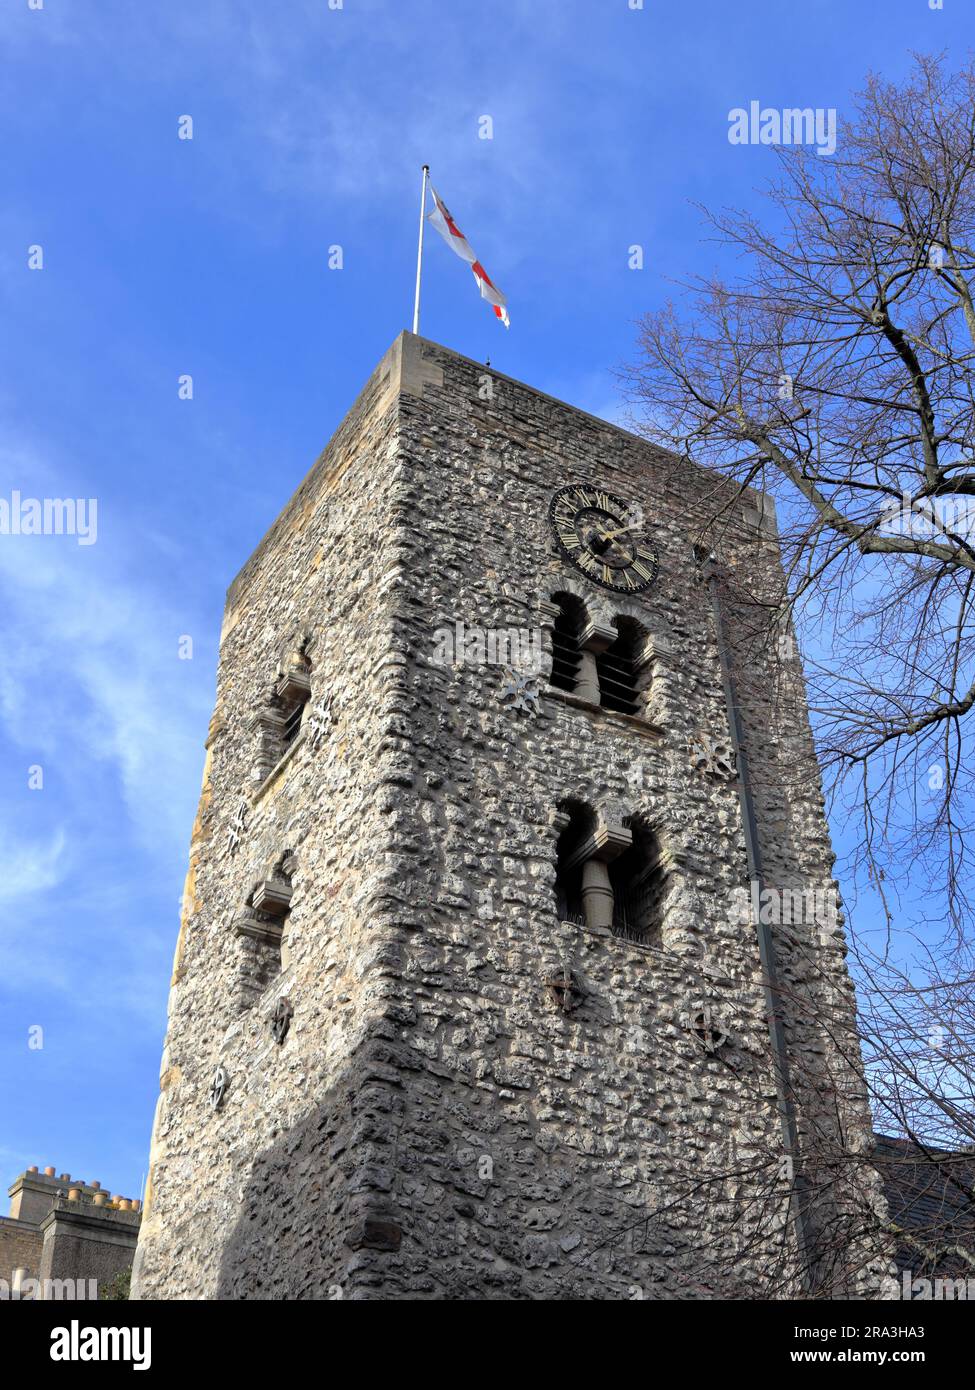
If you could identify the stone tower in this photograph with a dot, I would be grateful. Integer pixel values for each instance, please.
(482, 987)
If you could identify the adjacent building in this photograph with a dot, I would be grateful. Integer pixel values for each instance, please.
(64, 1238)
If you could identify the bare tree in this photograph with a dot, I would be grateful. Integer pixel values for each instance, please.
(918, 1043)
(838, 375)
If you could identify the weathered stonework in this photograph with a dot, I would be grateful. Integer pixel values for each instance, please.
(473, 1098)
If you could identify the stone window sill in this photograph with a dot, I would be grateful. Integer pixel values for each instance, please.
(600, 715)
(278, 768)
(602, 936)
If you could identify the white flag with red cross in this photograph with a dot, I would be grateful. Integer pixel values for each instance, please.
(455, 239)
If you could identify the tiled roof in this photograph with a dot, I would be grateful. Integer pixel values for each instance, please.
(931, 1196)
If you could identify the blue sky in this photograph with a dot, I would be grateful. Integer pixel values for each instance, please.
(209, 257)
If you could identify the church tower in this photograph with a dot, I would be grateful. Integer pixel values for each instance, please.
(510, 963)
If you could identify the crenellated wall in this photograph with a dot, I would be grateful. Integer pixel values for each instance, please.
(64, 1238)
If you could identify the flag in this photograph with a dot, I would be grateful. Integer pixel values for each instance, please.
(455, 239)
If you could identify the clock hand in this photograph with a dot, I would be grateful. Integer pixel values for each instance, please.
(620, 531)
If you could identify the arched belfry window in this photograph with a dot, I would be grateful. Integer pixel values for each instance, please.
(293, 690)
(639, 883)
(566, 634)
(618, 668)
(577, 826)
(272, 896)
(610, 874)
(262, 927)
(599, 663)
(279, 720)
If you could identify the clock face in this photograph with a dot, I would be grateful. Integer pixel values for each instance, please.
(603, 536)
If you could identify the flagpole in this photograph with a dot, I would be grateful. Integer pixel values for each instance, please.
(419, 249)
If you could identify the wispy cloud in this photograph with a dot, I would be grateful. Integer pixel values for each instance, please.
(93, 693)
(92, 668)
(30, 868)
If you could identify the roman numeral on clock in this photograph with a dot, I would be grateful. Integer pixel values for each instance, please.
(591, 530)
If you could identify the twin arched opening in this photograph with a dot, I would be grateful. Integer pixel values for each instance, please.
(590, 664)
(262, 928)
(610, 875)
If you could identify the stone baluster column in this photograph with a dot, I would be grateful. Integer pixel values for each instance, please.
(597, 894)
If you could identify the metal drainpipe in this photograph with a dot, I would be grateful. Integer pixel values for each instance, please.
(766, 946)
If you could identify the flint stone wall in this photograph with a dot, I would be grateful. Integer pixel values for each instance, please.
(436, 1123)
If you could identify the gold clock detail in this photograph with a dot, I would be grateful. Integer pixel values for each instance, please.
(604, 537)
